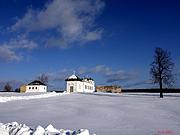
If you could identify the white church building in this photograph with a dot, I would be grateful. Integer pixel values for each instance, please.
(76, 84)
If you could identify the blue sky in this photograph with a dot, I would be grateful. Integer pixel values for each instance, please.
(111, 41)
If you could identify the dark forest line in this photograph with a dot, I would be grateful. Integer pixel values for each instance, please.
(170, 90)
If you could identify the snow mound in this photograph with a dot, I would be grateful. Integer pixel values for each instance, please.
(14, 128)
(44, 95)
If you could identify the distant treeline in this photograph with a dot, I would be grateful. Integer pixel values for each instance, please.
(152, 90)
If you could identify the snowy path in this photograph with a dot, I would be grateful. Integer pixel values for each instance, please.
(104, 115)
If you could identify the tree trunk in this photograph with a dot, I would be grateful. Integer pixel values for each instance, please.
(161, 89)
(161, 94)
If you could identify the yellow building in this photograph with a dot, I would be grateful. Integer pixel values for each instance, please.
(23, 89)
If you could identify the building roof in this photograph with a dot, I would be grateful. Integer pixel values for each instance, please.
(36, 82)
(88, 79)
(73, 78)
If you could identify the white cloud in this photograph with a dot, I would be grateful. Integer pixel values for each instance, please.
(94, 35)
(120, 76)
(74, 20)
(113, 75)
(29, 19)
(107, 73)
(21, 42)
(8, 54)
(101, 69)
(9, 50)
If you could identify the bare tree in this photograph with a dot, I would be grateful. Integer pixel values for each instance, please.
(43, 78)
(7, 87)
(161, 69)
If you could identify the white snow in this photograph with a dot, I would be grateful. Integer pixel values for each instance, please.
(14, 128)
(28, 97)
(102, 114)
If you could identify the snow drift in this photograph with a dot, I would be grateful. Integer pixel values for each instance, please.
(15, 128)
(28, 97)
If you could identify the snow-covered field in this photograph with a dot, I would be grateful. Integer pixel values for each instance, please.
(102, 114)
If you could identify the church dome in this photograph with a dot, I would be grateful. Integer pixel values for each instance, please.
(73, 78)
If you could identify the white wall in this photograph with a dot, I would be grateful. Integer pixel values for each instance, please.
(77, 86)
(89, 87)
(36, 88)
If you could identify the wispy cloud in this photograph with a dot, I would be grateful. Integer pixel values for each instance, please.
(7, 54)
(21, 42)
(104, 75)
(60, 75)
(109, 75)
(120, 76)
(9, 50)
(176, 71)
(73, 21)
(114, 75)
(94, 35)
(56, 79)
(139, 84)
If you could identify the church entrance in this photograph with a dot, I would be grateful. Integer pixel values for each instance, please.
(71, 89)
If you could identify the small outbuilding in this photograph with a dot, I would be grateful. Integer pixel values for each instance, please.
(35, 86)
